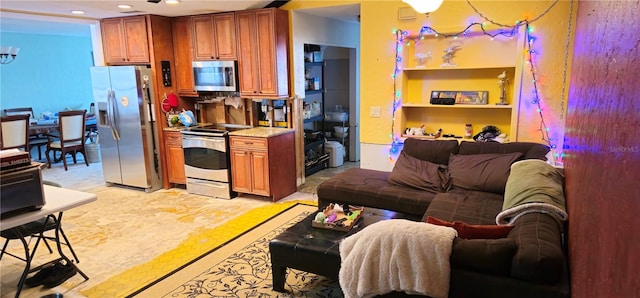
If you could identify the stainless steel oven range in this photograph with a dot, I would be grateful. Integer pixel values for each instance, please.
(206, 160)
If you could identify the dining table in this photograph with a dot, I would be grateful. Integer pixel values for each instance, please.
(44, 129)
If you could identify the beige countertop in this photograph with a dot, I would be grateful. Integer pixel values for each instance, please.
(174, 128)
(261, 132)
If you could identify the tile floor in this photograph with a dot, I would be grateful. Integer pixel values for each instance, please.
(83, 178)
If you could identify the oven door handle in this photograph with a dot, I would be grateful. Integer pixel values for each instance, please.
(203, 139)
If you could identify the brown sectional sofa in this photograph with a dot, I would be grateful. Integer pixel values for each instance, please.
(446, 180)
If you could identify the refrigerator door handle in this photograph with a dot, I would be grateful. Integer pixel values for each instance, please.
(111, 101)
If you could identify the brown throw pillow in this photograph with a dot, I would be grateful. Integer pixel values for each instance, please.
(466, 231)
(483, 172)
(436, 151)
(420, 174)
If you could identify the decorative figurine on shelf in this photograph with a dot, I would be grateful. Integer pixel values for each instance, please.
(448, 55)
(503, 82)
(422, 59)
(415, 131)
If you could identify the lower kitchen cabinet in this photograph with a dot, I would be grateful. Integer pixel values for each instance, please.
(263, 166)
(175, 157)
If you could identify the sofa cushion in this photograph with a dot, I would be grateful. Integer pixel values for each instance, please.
(539, 257)
(412, 172)
(471, 207)
(483, 172)
(483, 255)
(467, 231)
(371, 188)
(530, 150)
(436, 151)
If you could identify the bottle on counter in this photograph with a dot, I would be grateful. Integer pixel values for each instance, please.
(468, 131)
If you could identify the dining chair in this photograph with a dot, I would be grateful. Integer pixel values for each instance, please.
(71, 138)
(35, 140)
(14, 132)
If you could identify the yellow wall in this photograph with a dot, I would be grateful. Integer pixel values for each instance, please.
(380, 18)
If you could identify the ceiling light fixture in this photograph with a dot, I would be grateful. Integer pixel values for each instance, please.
(8, 54)
(424, 6)
(124, 6)
(172, 1)
(77, 11)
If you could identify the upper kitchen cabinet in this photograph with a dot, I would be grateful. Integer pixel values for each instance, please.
(263, 50)
(182, 52)
(125, 41)
(214, 36)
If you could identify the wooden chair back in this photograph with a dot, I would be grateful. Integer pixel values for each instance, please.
(14, 132)
(71, 126)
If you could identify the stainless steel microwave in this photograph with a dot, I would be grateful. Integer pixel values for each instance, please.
(215, 75)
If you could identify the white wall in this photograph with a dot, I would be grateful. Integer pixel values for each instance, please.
(311, 29)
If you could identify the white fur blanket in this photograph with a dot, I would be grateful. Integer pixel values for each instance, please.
(397, 255)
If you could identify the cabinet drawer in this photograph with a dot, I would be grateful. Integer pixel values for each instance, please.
(245, 142)
(173, 138)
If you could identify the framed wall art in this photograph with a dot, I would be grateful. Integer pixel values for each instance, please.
(472, 97)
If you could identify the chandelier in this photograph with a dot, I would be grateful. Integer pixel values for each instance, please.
(424, 6)
(8, 54)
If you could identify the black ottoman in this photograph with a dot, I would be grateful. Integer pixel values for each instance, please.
(315, 250)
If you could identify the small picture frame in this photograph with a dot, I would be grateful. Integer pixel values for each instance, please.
(443, 94)
(472, 97)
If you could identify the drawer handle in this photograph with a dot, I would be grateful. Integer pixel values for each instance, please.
(248, 143)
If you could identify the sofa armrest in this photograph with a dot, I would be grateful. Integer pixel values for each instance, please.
(540, 255)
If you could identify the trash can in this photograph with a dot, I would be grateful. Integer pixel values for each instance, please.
(336, 153)
(93, 152)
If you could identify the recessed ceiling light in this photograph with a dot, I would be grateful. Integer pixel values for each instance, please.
(124, 6)
(77, 11)
(172, 1)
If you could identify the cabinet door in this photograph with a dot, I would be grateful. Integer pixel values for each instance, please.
(265, 44)
(137, 42)
(224, 25)
(175, 157)
(240, 170)
(203, 38)
(113, 42)
(260, 173)
(182, 48)
(247, 53)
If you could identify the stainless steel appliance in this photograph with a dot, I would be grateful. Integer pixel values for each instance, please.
(215, 75)
(206, 160)
(126, 126)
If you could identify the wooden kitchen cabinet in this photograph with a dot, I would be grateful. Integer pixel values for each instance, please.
(263, 51)
(125, 41)
(214, 36)
(175, 157)
(181, 28)
(263, 166)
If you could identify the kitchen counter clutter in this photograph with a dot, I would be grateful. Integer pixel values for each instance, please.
(262, 132)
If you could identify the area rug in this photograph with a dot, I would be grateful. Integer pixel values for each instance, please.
(242, 268)
(207, 242)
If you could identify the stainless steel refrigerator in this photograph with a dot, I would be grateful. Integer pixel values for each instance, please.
(127, 126)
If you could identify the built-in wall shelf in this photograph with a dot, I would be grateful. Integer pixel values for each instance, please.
(480, 64)
(313, 91)
(456, 106)
(313, 119)
(462, 68)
